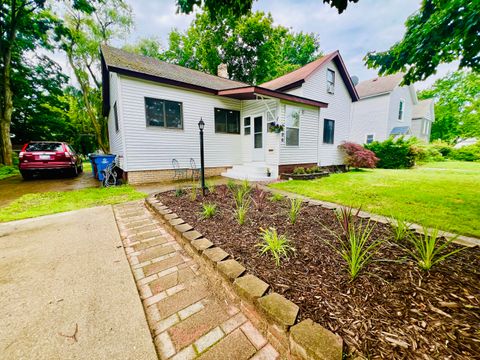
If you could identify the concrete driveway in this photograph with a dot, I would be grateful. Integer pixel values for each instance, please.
(13, 187)
(67, 291)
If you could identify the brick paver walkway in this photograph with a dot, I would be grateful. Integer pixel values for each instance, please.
(187, 318)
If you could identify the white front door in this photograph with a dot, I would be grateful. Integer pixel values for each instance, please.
(258, 152)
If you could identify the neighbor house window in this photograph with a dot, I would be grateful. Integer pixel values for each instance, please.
(328, 131)
(246, 126)
(370, 138)
(115, 116)
(164, 113)
(401, 109)
(330, 81)
(227, 121)
(292, 126)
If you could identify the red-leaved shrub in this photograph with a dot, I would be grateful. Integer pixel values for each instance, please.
(357, 156)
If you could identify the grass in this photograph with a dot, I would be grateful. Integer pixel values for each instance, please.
(38, 204)
(8, 171)
(441, 195)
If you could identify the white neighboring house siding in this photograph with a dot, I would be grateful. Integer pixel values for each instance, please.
(153, 148)
(400, 92)
(339, 109)
(369, 116)
(116, 138)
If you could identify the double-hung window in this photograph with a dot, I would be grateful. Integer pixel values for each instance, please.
(330, 81)
(247, 126)
(292, 126)
(328, 131)
(370, 138)
(164, 113)
(227, 121)
(401, 109)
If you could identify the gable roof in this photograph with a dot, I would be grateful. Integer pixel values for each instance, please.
(297, 77)
(118, 60)
(422, 110)
(379, 85)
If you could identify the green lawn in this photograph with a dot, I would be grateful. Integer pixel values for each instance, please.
(38, 204)
(444, 195)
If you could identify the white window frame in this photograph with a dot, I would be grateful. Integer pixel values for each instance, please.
(331, 84)
(401, 110)
(249, 127)
(299, 110)
(366, 138)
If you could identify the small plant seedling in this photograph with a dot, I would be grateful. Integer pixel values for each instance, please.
(295, 206)
(193, 193)
(276, 197)
(428, 250)
(241, 211)
(179, 192)
(277, 245)
(231, 185)
(400, 228)
(208, 210)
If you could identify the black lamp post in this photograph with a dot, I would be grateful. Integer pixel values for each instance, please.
(201, 126)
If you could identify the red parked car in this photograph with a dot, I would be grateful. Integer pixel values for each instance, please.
(40, 156)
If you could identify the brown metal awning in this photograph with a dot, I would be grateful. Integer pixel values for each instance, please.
(251, 92)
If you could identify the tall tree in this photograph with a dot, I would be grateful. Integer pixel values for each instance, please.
(80, 36)
(457, 106)
(254, 49)
(442, 31)
(220, 9)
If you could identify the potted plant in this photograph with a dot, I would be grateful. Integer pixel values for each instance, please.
(275, 127)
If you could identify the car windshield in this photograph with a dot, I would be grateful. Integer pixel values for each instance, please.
(44, 147)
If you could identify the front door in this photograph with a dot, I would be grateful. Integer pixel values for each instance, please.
(258, 152)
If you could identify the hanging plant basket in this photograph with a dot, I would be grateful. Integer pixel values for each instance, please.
(275, 128)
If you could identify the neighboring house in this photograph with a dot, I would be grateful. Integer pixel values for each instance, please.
(385, 109)
(154, 107)
(422, 118)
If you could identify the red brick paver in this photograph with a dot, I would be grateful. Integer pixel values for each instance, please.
(186, 318)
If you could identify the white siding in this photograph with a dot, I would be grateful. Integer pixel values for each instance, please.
(307, 150)
(421, 129)
(152, 148)
(370, 117)
(115, 137)
(339, 109)
(400, 92)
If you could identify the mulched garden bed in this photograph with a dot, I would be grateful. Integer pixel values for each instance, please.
(393, 310)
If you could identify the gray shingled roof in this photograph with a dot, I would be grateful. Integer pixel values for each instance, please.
(146, 65)
(422, 109)
(379, 85)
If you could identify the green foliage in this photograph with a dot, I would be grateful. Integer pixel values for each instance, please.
(299, 170)
(277, 245)
(7, 171)
(466, 153)
(241, 193)
(441, 32)
(276, 197)
(400, 228)
(253, 48)
(208, 210)
(426, 152)
(356, 247)
(442, 147)
(231, 185)
(457, 106)
(427, 248)
(179, 192)
(295, 207)
(313, 170)
(394, 154)
(241, 211)
(193, 192)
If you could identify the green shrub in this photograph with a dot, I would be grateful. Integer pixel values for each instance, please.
(295, 206)
(277, 245)
(427, 250)
(400, 228)
(299, 171)
(208, 210)
(394, 153)
(426, 152)
(466, 153)
(442, 147)
(314, 169)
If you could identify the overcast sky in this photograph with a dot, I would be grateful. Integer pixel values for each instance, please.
(365, 26)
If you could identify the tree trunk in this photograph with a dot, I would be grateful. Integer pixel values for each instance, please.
(6, 111)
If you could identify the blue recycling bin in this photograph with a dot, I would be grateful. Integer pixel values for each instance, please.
(101, 162)
(94, 166)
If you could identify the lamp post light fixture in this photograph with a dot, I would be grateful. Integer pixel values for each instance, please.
(201, 126)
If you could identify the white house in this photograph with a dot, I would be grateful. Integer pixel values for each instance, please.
(385, 109)
(154, 107)
(423, 116)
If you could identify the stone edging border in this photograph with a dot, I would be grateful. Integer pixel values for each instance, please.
(272, 313)
(460, 239)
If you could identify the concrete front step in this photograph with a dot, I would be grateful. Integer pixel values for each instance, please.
(249, 171)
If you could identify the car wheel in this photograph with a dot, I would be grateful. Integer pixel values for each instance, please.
(74, 171)
(27, 175)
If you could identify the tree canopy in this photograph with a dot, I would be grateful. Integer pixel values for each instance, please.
(252, 47)
(457, 106)
(442, 31)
